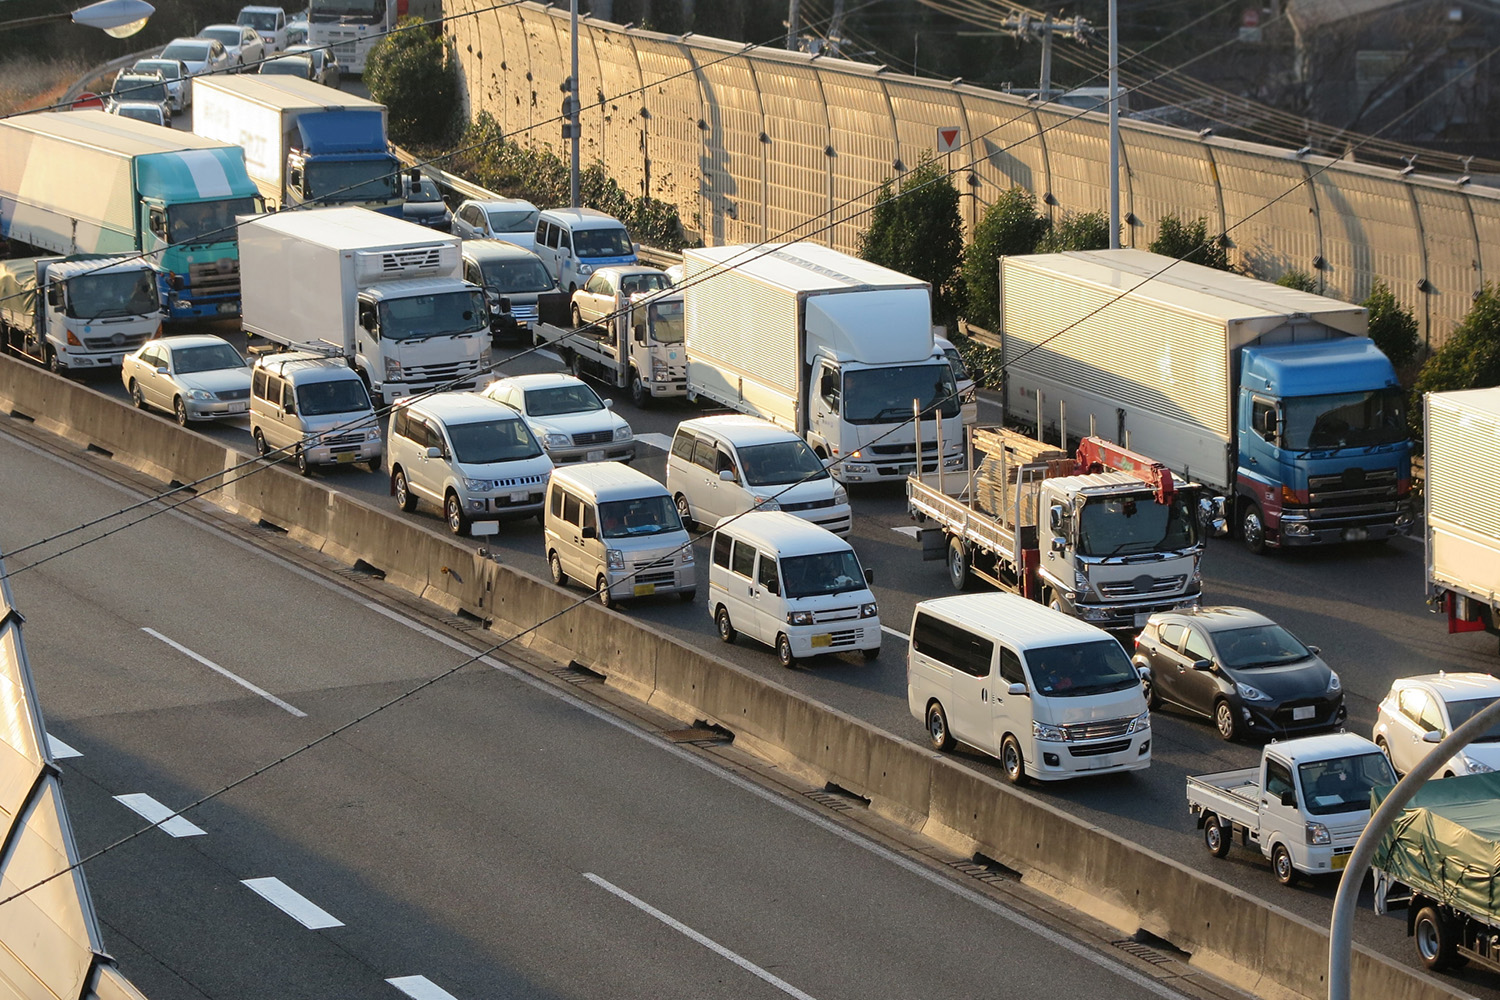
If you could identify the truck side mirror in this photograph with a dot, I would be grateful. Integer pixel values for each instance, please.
(869, 578)
(54, 296)
(1268, 424)
(1055, 518)
(1059, 544)
(1289, 799)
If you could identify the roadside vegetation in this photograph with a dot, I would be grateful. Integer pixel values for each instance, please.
(27, 82)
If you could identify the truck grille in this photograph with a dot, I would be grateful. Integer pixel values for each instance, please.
(431, 376)
(594, 437)
(1143, 584)
(119, 341)
(1352, 486)
(1099, 749)
(218, 277)
(929, 448)
(1097, 730)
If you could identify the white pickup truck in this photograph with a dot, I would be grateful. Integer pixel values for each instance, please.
(1303, 807)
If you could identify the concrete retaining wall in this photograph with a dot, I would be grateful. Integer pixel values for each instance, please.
(1256, 945)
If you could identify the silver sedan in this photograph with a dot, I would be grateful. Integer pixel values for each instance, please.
(192, 378)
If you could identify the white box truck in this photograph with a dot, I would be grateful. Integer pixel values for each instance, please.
(382, 293)
(829, 346)
(1463, 510)
(1274, 396)
(74, 313)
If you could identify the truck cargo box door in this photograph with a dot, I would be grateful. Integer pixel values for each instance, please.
(876, 326)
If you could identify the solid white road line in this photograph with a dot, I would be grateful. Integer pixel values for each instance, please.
(709, 943)
(210, 664)
(899, 635)
(60, 750)
(658, 441)
(909, 530)
(293, 903)
(549, 355)
(420, 988)
(157, 813)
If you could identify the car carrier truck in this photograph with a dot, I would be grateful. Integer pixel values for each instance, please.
(77, 313)
(829, 346)
(1463, 522)
(639, 347)
(1273, 396)
(76, 182)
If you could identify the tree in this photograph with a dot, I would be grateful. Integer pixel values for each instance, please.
(1392, 326)
(414, 75)
(1088, 231)
(1010, 226)
(1190, 241)
(919, 232)
(1300, 280)
(1471, 357)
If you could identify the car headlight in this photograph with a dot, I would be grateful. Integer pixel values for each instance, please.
(479, 485)
(767, 503)
(799, 617)
(392, 370)
(1055, 734)
(687, 555)
(1250, 693)
(868, 610)
(1475, 766)
(1333, 682)
(373, 434)
(615, 558)
(1317, 833)
(622, 433)
(557, 440)
(200, 394)
(840, 496)
(1140, 723)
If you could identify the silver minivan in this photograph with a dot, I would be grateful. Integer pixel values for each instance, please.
(313, 409)
(615, 529)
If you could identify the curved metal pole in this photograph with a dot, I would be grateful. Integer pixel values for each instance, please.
(1340, 930)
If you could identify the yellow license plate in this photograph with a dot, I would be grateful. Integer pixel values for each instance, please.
(1339, 862)
(645, 589)
(819, 641)
(346, 456)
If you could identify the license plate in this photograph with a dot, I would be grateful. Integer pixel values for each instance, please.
(238, 407)
(1339, 862)
(228, 308)
(905, 470)
(1142, 618)
(645, 589)
(345, 456)
(1306, 712)
(821, 641)
(596, 455)
(1356, 534)
(520, 497)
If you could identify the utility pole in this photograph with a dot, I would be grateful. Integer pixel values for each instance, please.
(793, 24)
(572, 104)
(836, 28)
(1044, 90)
(1114, 126)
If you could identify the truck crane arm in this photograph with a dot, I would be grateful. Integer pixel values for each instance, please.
(1098, 455)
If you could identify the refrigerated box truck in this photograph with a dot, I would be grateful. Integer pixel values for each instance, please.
(1274, 396)
(88, 182)
(1463, 507)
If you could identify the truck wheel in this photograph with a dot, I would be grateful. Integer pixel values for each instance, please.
(405, 498)
(54, 363)
(938, 736)
(1012, 761)
(1281, 865)
(1214, 837)
(453, 512)
(639, 395)
(1436, 944)
(958, 564)
(1225, 721)
(1253, 527)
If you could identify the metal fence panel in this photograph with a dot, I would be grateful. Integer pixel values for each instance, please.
(733, 157)
(1370, 228)
(617, 124)
(797, 169)
(864, 148)
(1167, 173)
(673, 142)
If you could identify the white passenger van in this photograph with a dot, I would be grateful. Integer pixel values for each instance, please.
(574, 242)
(314, 410)
(615, 529)
(725, 465)
(1049, 695)
(792, 585)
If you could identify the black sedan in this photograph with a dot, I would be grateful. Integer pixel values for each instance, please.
(1239, 668)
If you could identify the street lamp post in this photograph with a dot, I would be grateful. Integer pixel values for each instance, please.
(117, 18)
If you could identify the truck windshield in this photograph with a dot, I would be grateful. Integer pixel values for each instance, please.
(260, 20)
(780, 463)
(119, 293)
(824, 573)
(510, 276)
(486, 441)
(352, 11)
(1343, 784)
(876, 395)
(421, 316)
(206, 221)
(345, 395)
(602, 243)
(572, 398)
(352, 180)
(641, 516)
(1344, 420)
(1122, 525)
(666, 323)
(1098, 666)
(1258, 646)
(1460, 712)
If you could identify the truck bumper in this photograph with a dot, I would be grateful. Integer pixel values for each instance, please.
(1125, 617)
(1051, 761)
(1299, 530)
(184, 309)
(876, 469)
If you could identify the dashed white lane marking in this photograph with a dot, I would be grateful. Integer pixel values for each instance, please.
(899, 635)
(658, 441)
(60, 750)
(292, 903)
(157, 813)
(210, 664)
(709, 943)
(552, 356)
(420, 988)
(910, 530)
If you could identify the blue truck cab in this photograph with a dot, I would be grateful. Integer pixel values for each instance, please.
(341, 158)
(1324, 455)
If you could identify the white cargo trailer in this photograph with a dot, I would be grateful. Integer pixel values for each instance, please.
(1463, 507)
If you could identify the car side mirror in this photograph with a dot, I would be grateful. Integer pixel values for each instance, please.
(589, 531)
(1018, 691)
(727, 475)
(1315, 650)
(433, 452)
(1289, 799)
(869, 578)
(609, 404)
(1432, 737)
(163, 370)
(1203, 664)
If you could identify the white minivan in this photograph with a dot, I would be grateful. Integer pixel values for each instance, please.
(792, 585)
(314, 410)
(573, 242)
(1049, 695)
(615, 529)
(473, 457)
(725, 465)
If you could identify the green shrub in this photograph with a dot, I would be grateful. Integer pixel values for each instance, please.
(415, 76)
(1088, 231)
(921, 234)
(1010, 226)
(1300, 280)
(1392, 326)
(1190, 241)
(1471, 357)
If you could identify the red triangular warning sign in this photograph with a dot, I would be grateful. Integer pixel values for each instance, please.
(950, 135)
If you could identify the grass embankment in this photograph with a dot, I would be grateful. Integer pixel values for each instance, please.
(27, 83)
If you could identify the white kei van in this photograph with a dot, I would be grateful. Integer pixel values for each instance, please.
(613, 528)
(314, 410)
(792, 585)
(573, 242)
(1049, 695)
(725, 465)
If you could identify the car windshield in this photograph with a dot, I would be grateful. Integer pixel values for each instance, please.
(229, 36)
(170, 69)
(418, 317)
(344, 395)
(206, 221)
(549, 402)
(260, 20)
(666, 322)
(641, 516)
(875, 395)
(187, 51)
(511, 276)
(149, 89)
(486, 441)
(781, 462)
(423, 190)
(1258, 646)
(636, 284)
(142, 113)
(288, 66)
(512, 220)
(350, 11)
(118, 293)
(1460, 712)
(352, 180)
(1344, 420)
(824, 573)
(1097, 666)
(1122, 525)
(208, 358)
(1343, 784)
(612, 242)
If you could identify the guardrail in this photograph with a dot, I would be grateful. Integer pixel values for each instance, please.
(1227, 932)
